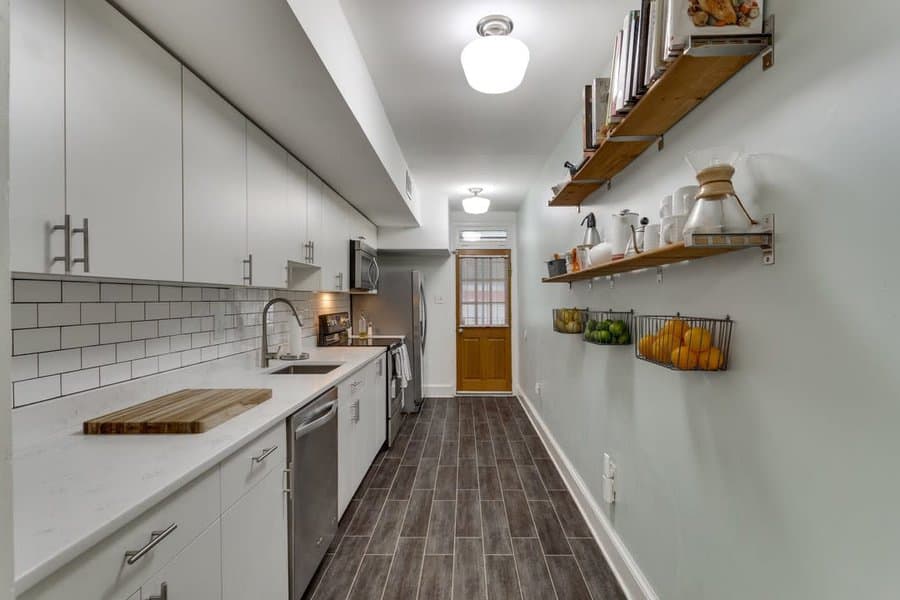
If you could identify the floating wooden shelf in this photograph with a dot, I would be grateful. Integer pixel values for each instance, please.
(706, 64)
(702, 246)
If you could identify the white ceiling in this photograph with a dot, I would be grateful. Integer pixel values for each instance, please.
(454, 137)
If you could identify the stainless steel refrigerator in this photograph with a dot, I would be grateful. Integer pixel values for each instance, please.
(399, 309)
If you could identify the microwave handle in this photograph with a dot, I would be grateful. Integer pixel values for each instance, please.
(374, 265)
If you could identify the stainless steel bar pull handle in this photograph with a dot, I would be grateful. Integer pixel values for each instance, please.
(132, 556)
(265, 454)
(66, 228)
(248, 278)
(163, 593)
(85, 260)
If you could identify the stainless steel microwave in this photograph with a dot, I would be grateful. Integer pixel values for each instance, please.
(364, 270)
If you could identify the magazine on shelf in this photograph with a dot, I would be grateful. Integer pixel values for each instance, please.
(710, 17)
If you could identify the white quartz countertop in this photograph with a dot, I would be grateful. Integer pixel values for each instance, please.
(73, 490)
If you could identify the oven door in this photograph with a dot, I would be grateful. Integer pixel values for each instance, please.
(364, 271)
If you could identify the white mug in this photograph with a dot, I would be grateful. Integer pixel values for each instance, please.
(672, 230)
(651, 237)
(683, 199)
(665, 207)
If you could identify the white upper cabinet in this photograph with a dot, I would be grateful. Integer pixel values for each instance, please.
(315, 203)
(335, 253)
(268, 232)
(215, 186)
(37, 184)
(123, 145)
(297, 208)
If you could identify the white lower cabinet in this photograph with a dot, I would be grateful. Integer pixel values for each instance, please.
(362, 418)
(350, 441)
(254, 543)
(195, 574)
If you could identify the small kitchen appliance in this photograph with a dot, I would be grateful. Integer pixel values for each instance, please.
(621, 230)
(717, 208)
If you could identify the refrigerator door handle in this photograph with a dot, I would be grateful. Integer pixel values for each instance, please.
(424, 316)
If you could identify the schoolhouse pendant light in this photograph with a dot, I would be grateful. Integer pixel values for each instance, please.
(495, 63)
(475, 204)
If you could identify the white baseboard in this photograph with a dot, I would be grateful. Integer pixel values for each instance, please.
(633, 581)
(438, 391)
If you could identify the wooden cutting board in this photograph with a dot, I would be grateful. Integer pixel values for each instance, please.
(184, 411)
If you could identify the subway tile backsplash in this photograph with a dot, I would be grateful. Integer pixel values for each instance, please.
(73, 336)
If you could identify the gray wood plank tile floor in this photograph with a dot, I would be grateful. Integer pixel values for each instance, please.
(466, 505)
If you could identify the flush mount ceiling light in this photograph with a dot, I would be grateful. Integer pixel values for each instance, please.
(495, 63)
(475, 204)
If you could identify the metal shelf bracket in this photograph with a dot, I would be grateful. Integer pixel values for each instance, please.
(659, 275)
(769, 250)
(768, 60)
(612, 282)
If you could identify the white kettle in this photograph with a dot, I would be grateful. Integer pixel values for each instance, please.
(620, 231)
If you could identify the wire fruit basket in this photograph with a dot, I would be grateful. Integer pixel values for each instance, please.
(609, 328)
(684, 343)
(569, 320)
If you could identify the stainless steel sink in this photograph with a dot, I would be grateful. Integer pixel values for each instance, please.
(305, 370)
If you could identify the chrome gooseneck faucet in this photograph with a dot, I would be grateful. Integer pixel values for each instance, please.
(266, 356)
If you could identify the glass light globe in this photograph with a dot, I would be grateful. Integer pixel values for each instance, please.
(495, 64)
(476, 205)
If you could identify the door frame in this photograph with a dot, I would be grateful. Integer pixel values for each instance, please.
(462, 253)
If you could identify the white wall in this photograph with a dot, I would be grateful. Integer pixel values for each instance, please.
(776, 479)
(433, 233)
(327, 27)
(6, 528)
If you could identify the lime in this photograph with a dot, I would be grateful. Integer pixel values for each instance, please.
(604, 326)
(624, 339)
(605, 337)
(592, 325)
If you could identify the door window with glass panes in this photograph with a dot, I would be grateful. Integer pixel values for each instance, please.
(483, 293)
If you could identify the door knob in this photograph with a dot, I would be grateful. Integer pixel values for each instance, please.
(459, 330)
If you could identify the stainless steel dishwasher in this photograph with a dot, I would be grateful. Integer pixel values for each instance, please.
(312, 444)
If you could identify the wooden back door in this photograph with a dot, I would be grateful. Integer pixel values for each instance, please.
(483, 329)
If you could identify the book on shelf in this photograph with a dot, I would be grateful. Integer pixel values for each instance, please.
(643, 43)
(612, 116)
(599, 108)
(656, 60)
(629, 52)
(587, 134)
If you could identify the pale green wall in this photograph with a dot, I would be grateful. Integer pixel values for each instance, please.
(777, 479)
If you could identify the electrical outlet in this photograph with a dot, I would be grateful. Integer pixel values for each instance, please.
(538, 389)
(525, 335)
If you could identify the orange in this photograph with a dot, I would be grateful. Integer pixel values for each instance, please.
(697, 339)
(645, 346)
(676, 327)
(711, 360)
(663, 347)
(683, 358)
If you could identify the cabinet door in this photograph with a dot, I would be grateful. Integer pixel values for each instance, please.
(335, 260)
(123, 144)
(268, 235)
(297, 208)
(378, 396)
(37, 180)
(314, 218)
(215, 186)
(195, 573)
(348, 446)
(254, 543)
